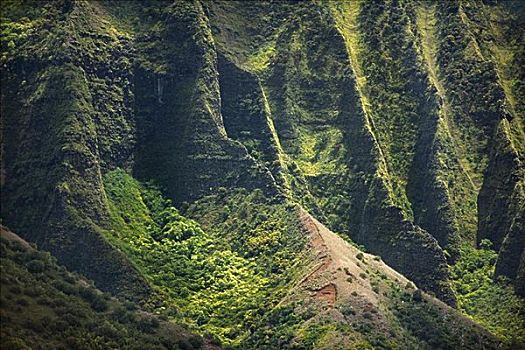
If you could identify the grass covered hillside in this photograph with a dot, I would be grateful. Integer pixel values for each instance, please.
(266, 174)
(44, 306)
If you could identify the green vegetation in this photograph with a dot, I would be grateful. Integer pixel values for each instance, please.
(255, 227)
(492, 304)
(42, 305)
(424, 320)
(397, 123)
(220, 280)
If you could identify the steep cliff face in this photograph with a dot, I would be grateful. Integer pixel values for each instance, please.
(397, 124)
(391, 115)
(331, 158)
(182, 140)
(501, 197)
(77, 108)
(66, 118)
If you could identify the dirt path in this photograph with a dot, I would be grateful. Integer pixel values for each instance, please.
(319, 246)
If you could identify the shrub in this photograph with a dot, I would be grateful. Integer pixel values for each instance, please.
(108, 330)
(417, 296)
(196, 341)
(212, 339)
(485, 244)
(33, 291)
(191, 343)
(347, 310)
(15, 344)
(36, 266)
(122, 315)
(15, 289)
(35, 325)
(69, 278)
(130, 305)
(96, 300)
(65, 288)
(44, 300)
(147, 324)
(73, 343)
(87, 294)
(22, 301)
(59, 325)
(99, 304)
(58, 302)
(71, 320)
(367, 315)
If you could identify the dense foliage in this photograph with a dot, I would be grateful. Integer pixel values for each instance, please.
(166, 150)
(44, 306)
(493, 304)
(220, 279)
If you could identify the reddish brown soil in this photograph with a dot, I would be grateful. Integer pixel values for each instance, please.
(328, 293)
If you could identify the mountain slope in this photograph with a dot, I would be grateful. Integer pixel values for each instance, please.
(167, 150)
(411, 136)
(45, 306)
(347, 299)
(327, 141)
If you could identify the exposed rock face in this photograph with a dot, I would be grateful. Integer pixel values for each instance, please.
(247, 117)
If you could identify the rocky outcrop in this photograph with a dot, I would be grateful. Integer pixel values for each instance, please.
(345, 285)
(247, 117)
